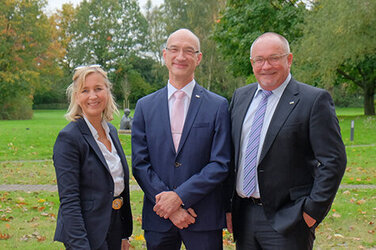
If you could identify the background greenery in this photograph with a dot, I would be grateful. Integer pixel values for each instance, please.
(28, 219)
(332, 42)
(333, 46)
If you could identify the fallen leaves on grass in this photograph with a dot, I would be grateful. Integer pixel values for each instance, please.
(360, 202)
(5, 218)
(139, 219)
(4, 236)
(336, 215)
(34, 235)
(139, 238)
(339, 236)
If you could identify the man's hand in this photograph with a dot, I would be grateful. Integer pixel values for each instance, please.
(183, 218)
(229, 222)
(167, 203)
(308, 220)
(125, 244)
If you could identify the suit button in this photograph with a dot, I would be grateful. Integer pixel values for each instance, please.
(174, 187)
(177, 164)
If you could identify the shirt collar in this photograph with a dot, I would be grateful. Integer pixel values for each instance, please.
(188, 89)
(278, 91)
(94, 131)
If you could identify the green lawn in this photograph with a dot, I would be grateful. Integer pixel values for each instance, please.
(27, 219)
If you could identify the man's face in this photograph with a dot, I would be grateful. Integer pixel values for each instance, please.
(182, 57)
(274, 71)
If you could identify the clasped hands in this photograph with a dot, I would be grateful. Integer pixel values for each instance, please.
(168, 206)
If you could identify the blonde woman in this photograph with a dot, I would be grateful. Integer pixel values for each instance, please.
(91, 168)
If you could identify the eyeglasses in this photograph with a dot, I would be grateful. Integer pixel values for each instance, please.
(87, 66)
(272, 60)
(186, 51)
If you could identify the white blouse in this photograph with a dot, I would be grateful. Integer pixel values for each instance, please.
(112, 158)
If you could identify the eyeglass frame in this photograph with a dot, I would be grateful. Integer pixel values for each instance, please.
(186, 51)
(277, 57)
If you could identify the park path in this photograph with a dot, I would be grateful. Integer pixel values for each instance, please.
(36, 188)
(53, 188)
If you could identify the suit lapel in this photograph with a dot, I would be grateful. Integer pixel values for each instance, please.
(245, 99)
(162, 102)
(90, 139)
(286, 105)
(119, 149)
(194, 106)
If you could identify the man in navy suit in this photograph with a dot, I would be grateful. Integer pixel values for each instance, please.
(299, 159)
(181, 171)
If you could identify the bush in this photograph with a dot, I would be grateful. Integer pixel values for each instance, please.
(16, 108)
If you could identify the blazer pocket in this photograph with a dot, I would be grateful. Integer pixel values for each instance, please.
(300, 191)
(201, 125)
(292, 125)
(87, 205)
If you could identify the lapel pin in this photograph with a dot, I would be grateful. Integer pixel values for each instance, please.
(292, 102)
(197, 96)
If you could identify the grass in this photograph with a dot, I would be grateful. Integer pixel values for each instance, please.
(351, 222)
(29, 218)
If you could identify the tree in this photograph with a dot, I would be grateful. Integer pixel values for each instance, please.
(55, 92)
(242, 22)
(339, 45)
(109, 33)
(28, 56)
(106, 32)
(200, 17)
(157, 34)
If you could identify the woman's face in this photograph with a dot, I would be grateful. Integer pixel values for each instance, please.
(93, 96)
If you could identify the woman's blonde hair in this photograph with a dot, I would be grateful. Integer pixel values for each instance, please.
(74, 111)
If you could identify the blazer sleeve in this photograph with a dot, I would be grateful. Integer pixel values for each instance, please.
(216, 171)
(66, 158)
(329, 150)
(142, 169)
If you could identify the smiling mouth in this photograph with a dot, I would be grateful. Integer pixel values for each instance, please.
(179, 65)
(93, 104)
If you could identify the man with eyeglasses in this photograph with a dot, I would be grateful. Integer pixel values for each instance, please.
(288, 155)
(181, 150)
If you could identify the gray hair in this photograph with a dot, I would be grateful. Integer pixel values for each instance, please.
(267, 34)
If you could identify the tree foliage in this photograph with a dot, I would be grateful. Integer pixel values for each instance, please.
(106, 32)
(200, 17)
(242, 22)
(338, 46)
(109, 33)
(28, 55)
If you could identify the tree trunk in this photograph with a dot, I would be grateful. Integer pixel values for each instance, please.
(369, 92)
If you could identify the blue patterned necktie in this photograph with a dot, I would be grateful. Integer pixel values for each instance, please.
(250, 159)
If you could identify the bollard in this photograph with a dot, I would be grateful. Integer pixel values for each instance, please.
(352, 131)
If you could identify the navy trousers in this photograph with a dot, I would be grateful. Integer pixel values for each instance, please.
(193, 240)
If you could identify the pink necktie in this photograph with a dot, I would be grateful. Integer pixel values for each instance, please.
(177, 117)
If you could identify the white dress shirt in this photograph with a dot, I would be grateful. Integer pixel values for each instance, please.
(246, 129)
(112, 158)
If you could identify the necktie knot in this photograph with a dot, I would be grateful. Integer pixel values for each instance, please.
(179, 94)
(266, 93)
